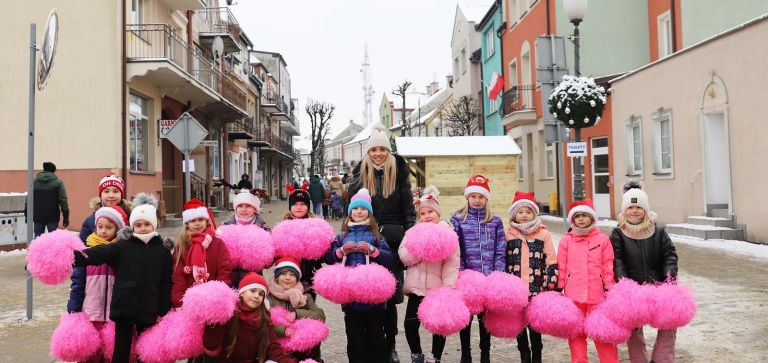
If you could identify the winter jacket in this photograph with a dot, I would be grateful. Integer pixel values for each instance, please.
(532, 258)
(216, 260)
(645, 261)
(142, 288)
(50, 199)
(482, 245)
(336, 186)
(585, 266)
(316, 191)
(310, 310)
(247, 341)
(91, 291)
(357, 234)
(397, 208)
(423, 276)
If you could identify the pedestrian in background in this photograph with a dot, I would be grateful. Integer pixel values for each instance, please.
(317, 193)
(50, 201)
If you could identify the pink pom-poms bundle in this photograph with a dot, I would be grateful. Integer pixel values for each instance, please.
(75, 338)
(505, 291)
(212, 302)
(430, 241)
(504, 323)
(553, 314)
(629, 304)
(331, 283)
(599, 327)
(107, 335)
(279, 316)
(675, 306)
(305, 334)
(50, 256)
(471, 284)
(369, 284)
(173, 338)
(443, 311)
(305, 239)
(249, 246)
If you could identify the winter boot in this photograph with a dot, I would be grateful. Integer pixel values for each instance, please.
(536, 355)
(429, 358)
(525, 356)
(485, 356)
(417, 358)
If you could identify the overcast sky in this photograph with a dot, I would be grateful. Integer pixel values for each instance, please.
(323, 41)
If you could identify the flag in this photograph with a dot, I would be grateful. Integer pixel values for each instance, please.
(497, 85)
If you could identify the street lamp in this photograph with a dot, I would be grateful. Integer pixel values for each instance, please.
(576, 10)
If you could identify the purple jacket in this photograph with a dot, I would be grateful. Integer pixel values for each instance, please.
(483, 245)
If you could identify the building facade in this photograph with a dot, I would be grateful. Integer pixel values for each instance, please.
(490, 44)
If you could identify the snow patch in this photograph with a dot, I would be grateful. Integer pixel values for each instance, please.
(710, 218)
(12, 194)
(18, 252)
(699, 227)
(736, 247)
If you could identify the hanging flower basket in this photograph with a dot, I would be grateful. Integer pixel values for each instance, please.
(577, 102)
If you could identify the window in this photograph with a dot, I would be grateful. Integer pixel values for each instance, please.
(634, 137)
(137, 11)
(493, 105)
(520, 163)
(662, 142)
(513, 73)
(138, 134)
(513, 13)
(664, 28)
(463, 60)
(549, 161)
(215, 155)
(489, 43)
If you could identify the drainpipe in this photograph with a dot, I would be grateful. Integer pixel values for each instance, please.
(674, 25)
(123, 94)
(549, 31)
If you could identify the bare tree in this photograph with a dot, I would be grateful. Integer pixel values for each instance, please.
(401, 90)
(462, 117)
(320, 114)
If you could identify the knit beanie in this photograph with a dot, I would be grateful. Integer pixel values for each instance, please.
(378, 138)
(246, 197)
(478, 184)
(583, 206)
(288, 263)
(49, 167)
(193, 209)
(429, 199)
(114, 214)
(297, 195)
(523, 199)
(112, 180)
(144, 209)
(361, 199)
(634, 196)
(253, 280)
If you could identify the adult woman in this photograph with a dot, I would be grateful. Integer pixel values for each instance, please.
(385, 175)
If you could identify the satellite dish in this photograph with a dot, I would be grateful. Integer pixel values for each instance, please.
(218, 47)
(48, 50)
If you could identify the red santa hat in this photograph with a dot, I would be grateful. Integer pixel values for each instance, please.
(478, 184)
(523, 199)
(114, 214)
(288, 263)
(583, 206)
(112, 180)
(194, 208)
(253, 280)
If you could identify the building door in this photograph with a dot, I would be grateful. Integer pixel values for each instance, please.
(717, 165)
(601, 194)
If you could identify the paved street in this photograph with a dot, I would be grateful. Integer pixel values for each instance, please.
(731, 324)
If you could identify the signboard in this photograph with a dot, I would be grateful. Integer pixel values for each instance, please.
(187, 133)
(164, 126)
(210, 143)
(577, 149)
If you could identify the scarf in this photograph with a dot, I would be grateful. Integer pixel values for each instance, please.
(250, 318)
(197, 256)
(366, 222)
(146, 237)
(528, 227)
(581, 231)
(294, 295)
(378, 167)
(642, 230)
(94, 240)
(244, 221)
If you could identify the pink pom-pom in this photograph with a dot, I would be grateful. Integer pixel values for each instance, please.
(553, 314)
(471, 284)
(675, 306)
(504, 323)
(430, 241)
(249, 246)
(107, 334)
(75, 338)
(599, 327)
(51, 255)
(308, 361)
(371, 284)
(212, 302)
(305, 335)
(505, 292)
(443, 311)
(629, 304)
(279, 316)
(305, 239)
(331, 283)
(153, 345)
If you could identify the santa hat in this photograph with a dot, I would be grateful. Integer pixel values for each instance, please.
(583, 206)
(361, 199)
(253, 280)
(429, 199)
(194, 208)
(478, 184)
(112, 180)
(297, 195)
(246, 197)
(523, 199)
(634, 196)
(114, 214)
(378, 138)
(287, 263)
(144, 209)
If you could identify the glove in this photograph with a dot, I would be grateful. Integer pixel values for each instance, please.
(291, 317)
(366, 248)
(66, 222)
(348, 248)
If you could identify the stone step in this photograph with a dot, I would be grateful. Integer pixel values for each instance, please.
(171, 222)
(712, 221)
(720, 213)
(705, 231)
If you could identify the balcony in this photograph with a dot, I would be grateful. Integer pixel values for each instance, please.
(290, 125)
(270, 143)
(518, 107)
(270, 102)
(220, 22)
(184, 4)
(282, 113)
(241, 129)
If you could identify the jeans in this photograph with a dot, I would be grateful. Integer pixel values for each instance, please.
(317, 208)
(41, 227)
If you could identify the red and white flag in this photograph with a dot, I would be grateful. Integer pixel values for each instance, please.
(497, 85)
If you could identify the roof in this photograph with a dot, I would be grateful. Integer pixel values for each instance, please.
(362, 136)
(274, 54)
(456, 146)
(347, 132)
(488, 15)
(474, 10)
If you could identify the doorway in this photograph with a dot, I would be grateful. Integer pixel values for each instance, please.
(717, 162)
(601, 191)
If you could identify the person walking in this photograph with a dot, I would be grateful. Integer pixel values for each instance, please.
(244, 183)
(317, 194)
(50, 200)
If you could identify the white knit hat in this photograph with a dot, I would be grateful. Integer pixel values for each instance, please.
(429, 199)
(144, 209)
(378, 138)
(246, 197)
(633, 195)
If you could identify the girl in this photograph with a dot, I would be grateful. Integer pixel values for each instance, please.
(246, 205)
(482, 245)
(643, 252)
(92, 286)
(585, 259)
(111, 193)
(298, 208)
(531, 257)
(198, 255)
(142, 267)
(249, 336)
(360, 239)
(423, 276)
(286, 291)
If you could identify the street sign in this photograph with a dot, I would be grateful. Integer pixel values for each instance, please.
(577, 149)
(187, 133)
(164, 126)
(211, 143)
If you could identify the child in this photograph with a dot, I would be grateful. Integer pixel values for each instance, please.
(111, 193)
(325, 203)
(92, 286)
(249, 336)
(335, 206)
(482, 245)
(358, 241)
(198, 256)
(142, 267)
(298, 208)
(585, 259)
(423, 276)
(643, 252)
(531, 257)
(287, 292)
(246, 205)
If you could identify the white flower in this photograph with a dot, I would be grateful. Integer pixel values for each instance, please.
(570, 122)
(597, 120)
(559, 105)
(586, 120)
(592, 103)
(567, 110)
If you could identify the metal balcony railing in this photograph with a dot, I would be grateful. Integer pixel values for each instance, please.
(199, 187)
(518, 98)
(220, 20)
(241, 127)
(263, 134)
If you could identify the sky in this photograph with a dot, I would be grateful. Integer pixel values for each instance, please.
(323, 41)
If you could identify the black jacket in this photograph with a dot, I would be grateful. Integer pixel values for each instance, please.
(142, 289)
(645, 261)
(50, 198)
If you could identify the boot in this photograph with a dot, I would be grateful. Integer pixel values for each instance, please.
(429, 358)
(536, 356)
(466, 356)
(393, 358)
(525, 356)
(417, 358)
(485, 356)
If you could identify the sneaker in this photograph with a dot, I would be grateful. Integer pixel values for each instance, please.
(429, 358)
(417, 358)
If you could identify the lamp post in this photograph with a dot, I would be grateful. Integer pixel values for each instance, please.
(576, 10)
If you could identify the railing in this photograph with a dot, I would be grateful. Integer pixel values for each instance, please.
(262, 133)
(241, 126)
(199, 187)
(518, 98)
(221, 20)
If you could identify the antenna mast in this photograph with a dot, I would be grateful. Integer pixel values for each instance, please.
(367, 87)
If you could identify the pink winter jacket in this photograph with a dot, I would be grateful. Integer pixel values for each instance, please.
(423, 276)
(585, 266)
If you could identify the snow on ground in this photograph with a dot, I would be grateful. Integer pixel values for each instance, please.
(699, 227)
(736, 247)
(19, 252)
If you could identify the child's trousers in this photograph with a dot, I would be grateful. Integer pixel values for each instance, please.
(365, 336)
(485, 336)
(607, 353)
(522, 340)
(411, 326)
(663, 350)
(124, 337)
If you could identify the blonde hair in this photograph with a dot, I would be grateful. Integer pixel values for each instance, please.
(368, 176)
(373, 224)
(463, 212)
(181, 245)
(289, 216)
